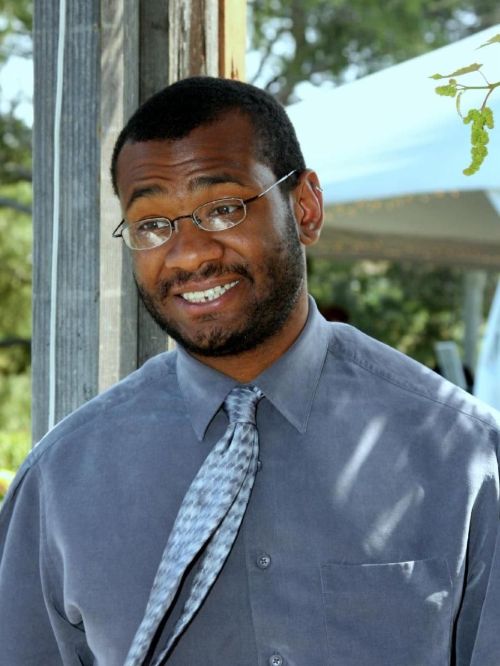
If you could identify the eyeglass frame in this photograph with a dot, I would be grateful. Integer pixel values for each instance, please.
(173, 222)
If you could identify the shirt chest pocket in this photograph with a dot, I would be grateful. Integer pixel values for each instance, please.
(396, 614)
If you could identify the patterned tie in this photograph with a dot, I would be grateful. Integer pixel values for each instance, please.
(210, 515)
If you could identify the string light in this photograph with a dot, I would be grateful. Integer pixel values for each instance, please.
(353, 209)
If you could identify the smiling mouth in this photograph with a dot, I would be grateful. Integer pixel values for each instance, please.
(208, 294)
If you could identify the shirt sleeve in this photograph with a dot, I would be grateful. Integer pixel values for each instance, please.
(486, 649)
(477, 630)
(33, 632)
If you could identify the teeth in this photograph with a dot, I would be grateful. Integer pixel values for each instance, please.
(208, 294)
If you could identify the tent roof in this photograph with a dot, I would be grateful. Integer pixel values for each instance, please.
(390, 152)
(389, 134)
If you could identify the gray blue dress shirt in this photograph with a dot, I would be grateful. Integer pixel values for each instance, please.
(369, 540)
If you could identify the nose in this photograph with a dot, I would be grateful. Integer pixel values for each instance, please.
(190, 247)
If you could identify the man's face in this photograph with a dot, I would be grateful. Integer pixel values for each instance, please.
(216, 293)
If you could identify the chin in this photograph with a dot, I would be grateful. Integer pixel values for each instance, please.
(214, 343)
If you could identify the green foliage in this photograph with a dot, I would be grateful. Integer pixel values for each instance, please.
(408, 306)
(6, 477)
(448, 91)
(15, 431)
(475, 67)
(480, 120)
(14, 447)
(16, 23)
(15, 325)
(15, 149)
(15, 277)
(15, 253)
(493, 40)
(337, 40)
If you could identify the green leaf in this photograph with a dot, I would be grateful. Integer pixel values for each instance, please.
(475, 67)
(488, 117)
(447, 91)
(492, 40)
(472, 116)
(479, 136)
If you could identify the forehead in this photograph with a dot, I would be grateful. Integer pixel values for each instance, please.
(225, 146)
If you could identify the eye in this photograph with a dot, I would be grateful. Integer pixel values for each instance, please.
(225, 209)
(152, 225)
(220, 214)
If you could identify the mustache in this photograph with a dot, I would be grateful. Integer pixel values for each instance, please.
(210, 270)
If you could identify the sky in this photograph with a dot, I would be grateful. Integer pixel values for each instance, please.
(16, 82)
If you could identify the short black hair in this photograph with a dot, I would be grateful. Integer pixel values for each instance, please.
(189, 103)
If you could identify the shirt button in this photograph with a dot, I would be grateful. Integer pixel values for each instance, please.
(263, 561)
(275, 660)
(259, 465)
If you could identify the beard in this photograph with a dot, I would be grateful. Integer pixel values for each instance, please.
(283, 274)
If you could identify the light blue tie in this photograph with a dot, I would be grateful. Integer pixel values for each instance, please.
(210, 515)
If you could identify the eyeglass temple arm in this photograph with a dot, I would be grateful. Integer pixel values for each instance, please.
(115, 233)
(274, 184)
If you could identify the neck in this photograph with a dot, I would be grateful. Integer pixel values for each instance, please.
(248, 365)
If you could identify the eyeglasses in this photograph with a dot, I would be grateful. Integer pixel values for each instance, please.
(217, 215)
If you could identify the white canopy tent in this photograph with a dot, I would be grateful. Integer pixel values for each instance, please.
(390, 152)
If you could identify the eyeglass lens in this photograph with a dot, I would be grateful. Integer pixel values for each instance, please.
(213, 216)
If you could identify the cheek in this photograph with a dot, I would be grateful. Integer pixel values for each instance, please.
(271, 243)
(146, 268)
(259, 239)
(250, 252)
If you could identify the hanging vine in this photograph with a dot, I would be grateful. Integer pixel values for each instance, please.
(480, 119)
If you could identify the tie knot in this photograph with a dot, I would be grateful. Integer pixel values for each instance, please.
(241, 403)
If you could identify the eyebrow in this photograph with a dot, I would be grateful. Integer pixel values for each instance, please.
(198, 183)
(145, 192)
(201, 182)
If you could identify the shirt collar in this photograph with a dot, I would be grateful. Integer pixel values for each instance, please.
(289, 384)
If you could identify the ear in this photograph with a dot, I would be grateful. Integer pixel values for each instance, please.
(308, 207)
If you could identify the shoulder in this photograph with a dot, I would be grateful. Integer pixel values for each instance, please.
(381, 367)
(113, 410)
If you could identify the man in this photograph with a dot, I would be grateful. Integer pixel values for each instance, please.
(369, 537)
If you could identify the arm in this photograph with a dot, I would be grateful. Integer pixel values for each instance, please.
(32, 630)
(486, 650)
(477, 629)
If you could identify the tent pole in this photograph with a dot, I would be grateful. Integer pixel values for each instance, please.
(474, 285)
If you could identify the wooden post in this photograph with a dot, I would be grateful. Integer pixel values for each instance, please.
(153, 75)
(66, 210)
(193, 38)
(98, 60)
(474, 285)
(232, 39)
(197, 33)
(118, 316)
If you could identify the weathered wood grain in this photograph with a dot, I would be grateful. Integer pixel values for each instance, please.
(116, 54)
(118, 303)
(76, 303)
